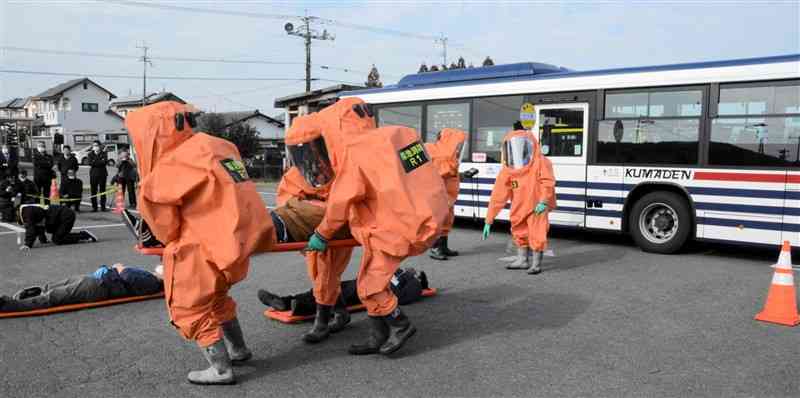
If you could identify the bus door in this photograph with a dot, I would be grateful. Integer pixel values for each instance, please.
(561, 129)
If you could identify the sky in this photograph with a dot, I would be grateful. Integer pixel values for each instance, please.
(396, 36)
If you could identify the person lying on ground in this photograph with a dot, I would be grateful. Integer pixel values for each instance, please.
(55, 219)
(407, 285)
(294, 222)
(105, 283)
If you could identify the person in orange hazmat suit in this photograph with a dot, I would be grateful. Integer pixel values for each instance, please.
(198, 200)
(527, 180)
(391, 195)
(446, 154)
(307, 184)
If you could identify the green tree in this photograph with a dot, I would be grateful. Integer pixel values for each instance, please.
(242, 135)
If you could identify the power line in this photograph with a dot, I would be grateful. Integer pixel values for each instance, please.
(273, 86)
(203, 10)
(130, 56)
(108, 76)
(367, 28)
(179, 59)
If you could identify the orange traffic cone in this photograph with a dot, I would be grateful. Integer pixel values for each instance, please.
(781, 305)
(120, 200)
(54, 197)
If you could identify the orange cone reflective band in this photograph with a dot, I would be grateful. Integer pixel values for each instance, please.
(120, 200)
(781, 305)
(54, 197)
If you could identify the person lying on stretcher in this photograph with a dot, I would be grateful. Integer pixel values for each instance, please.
(105, 283)
(294, 221)
(407, 285)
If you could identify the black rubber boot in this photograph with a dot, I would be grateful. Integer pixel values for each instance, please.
(400, 330)
(272, 300)
(234, 342)
(379, 332)
(341, 317)
(446, 250)
(320, 331)
(436, 251)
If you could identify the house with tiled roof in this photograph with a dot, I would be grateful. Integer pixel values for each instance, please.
(127, 104)
(14, 109)
(76, 112)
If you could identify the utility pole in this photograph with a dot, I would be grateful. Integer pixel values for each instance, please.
(145, 61)
(443, 41)
(307, 33)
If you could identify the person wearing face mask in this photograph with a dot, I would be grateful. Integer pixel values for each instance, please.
(8, 163)
(67, 161)
(127, 177)
(71, 189)
(42, 171)
(25, 188)
(98, 175)
(527, 180)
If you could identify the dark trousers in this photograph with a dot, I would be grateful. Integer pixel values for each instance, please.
(74, 290)
(129, 188)
(98, 184)
(42, 188)
(307, 305)
(63, 234)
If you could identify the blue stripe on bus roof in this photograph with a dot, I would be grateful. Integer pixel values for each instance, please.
(486, 78)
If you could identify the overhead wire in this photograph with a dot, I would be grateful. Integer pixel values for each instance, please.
(139, 77)
(179, 59)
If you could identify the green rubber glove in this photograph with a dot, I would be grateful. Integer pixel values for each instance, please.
(316, 243)
(540, 208)
(487, 228)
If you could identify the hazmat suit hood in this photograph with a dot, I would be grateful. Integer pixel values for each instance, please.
(446, 151)
(534, 157)
(334, 123)
(154, 132)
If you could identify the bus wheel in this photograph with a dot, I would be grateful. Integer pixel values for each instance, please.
(660, 222)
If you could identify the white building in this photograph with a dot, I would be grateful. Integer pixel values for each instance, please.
(78, 110)
(268, 128)
(14, 109)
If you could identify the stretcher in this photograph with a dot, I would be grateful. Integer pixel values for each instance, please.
(287, 317)
(81, 306)
(280, 247)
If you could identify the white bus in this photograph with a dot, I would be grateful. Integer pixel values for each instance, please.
(706, 150)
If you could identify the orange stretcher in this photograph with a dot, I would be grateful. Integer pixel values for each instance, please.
(287, 317)
(81, 306)
(280, 247)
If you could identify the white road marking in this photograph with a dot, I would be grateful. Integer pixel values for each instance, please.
(12, 227)
(17, 230)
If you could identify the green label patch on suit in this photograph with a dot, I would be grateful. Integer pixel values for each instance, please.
(236, 169)
(413, 156)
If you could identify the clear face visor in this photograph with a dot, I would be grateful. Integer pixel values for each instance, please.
(311, 158)
(517, 152)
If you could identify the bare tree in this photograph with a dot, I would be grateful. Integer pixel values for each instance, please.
(374, 78)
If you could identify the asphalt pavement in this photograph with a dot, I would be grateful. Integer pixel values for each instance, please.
(603, 320)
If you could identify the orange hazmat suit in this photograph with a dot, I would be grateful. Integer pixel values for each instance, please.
(445, 154)
(526, 187)
(198, 200)
(392, 197)
(334, 123)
